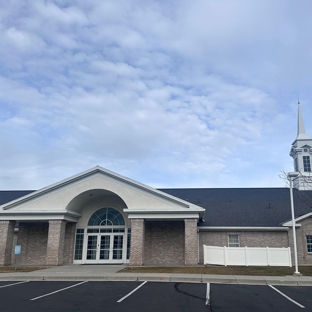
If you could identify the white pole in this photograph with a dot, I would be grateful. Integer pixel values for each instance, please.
(293, 225)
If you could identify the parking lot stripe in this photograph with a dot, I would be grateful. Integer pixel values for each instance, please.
(293, 301)
(208, 294)
(131, 292)
(13, 284)
(54, 292)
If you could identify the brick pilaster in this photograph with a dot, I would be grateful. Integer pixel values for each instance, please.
(191, 245)
(6, 241)
(69, 242)
(55, 246)
(137, 242)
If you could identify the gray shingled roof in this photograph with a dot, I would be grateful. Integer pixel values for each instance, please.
(7, 196)
(265, 207)
(232, 206)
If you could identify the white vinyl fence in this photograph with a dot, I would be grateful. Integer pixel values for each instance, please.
(252, 256)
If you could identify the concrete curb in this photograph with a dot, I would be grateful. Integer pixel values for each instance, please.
(164, 277)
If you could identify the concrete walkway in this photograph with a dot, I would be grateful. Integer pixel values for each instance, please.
(110, 273)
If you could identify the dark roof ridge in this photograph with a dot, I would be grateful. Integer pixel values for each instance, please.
(17, 190)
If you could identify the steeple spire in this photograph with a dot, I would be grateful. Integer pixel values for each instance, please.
(301, 152)
(301, 133)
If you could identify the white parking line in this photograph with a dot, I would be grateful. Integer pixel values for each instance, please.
(131, 292)
(13, 284)
(54, 292)
(293, 301)
(208, 294)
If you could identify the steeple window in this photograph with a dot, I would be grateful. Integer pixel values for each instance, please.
(306, 164)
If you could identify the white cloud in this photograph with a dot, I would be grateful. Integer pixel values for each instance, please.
(169, 93)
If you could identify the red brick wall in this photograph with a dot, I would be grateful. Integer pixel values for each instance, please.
(164, 243)
(32, 236)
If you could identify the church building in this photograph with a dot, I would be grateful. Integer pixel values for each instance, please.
(99, 216)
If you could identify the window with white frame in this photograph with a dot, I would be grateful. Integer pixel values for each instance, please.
(309, 243)
(233, 241)
(306, 164)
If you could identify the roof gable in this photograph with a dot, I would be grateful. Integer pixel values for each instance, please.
(298, 219)
(136, 195)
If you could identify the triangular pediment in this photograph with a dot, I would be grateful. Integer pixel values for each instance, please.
(298, 219)
(136, 196)
(306, 146)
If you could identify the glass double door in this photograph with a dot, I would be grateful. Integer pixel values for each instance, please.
(105, 248)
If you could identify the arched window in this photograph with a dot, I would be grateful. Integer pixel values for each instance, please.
(106, 217)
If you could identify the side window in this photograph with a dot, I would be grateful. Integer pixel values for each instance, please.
(309, 243)
(233, 241)
(79, 244)
(306, 164)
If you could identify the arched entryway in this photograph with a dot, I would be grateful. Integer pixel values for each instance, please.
(105, 239)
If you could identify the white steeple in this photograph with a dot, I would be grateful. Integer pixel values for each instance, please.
(301, 152)
(301, 132)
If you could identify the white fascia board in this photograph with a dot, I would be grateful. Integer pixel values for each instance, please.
(241, 228)
(162, 214)
(305, 216)
(164, 217)
(161, 211)
(289, 224)
(106, 172)
(40, 215)
(38, 218)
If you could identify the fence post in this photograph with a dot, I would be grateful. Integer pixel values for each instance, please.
(204, 254)
(246, 255)
(225, 262)
(267, 253)
(289, 256)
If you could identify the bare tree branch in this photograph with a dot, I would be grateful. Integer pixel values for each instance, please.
(305, 181)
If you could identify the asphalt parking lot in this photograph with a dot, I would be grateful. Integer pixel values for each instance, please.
(150, 296)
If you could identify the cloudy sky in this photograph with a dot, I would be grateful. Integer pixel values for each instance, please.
(176, 93)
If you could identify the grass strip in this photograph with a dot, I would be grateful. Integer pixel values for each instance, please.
(10, 269)
(220, 270)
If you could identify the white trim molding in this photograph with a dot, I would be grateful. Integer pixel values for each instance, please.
(242, 228)
(305, 216)
(162, 214)
(42, 215)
